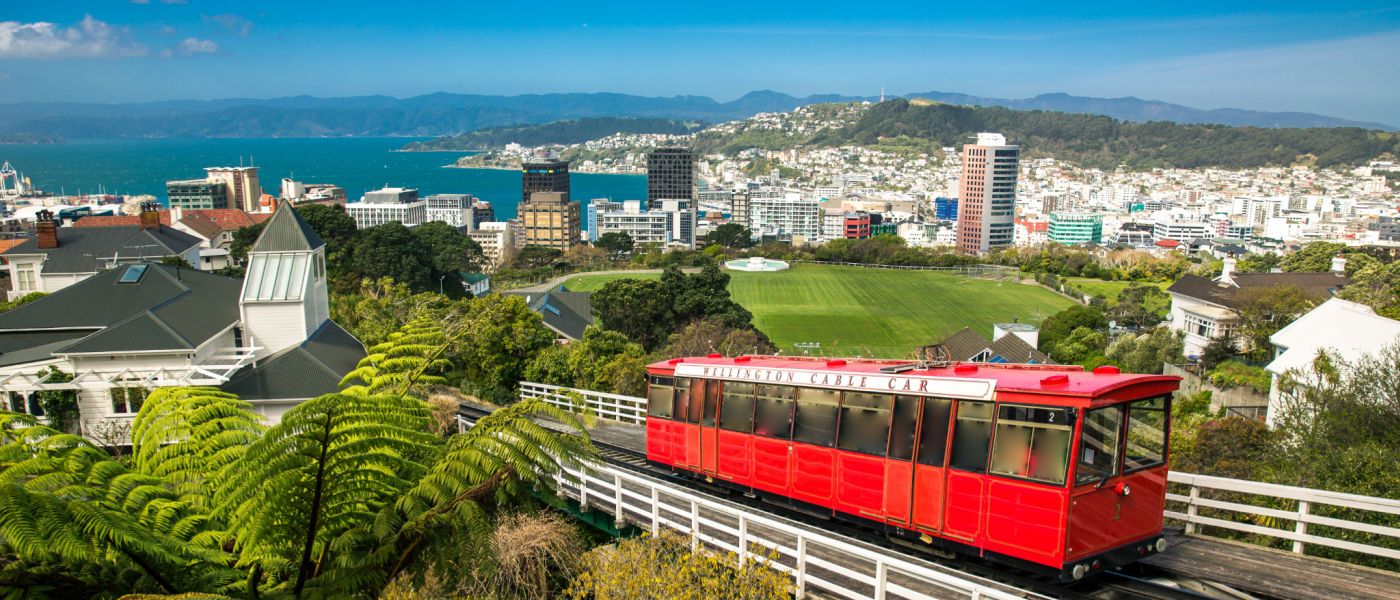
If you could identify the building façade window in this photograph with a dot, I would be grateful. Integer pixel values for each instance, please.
(127, 396)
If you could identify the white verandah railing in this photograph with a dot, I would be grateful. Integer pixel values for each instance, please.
(1185, 507)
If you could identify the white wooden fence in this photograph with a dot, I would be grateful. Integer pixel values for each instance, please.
(1200, 488)
(817, 561)
(1306, 501)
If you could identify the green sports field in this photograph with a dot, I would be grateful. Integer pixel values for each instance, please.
(873, 312)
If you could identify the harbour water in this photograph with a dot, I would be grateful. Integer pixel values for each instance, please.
(142, 166)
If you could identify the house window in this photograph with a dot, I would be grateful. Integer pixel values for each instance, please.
(24, 403)
(1200, 326)
(25, 279)
(127, 397)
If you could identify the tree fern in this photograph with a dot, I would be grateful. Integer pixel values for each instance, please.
(412, 356)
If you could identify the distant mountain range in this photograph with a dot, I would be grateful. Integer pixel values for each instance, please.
(448, 114)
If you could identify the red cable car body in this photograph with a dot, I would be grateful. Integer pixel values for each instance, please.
(1044, 466)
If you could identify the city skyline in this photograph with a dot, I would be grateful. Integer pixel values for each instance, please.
(1288, 57)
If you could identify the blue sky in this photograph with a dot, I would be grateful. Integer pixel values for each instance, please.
(1337, 58)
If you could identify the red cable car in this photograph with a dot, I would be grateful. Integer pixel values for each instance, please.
(1043, 466)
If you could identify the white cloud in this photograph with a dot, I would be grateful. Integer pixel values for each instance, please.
(191, 46)
(90, 38)
(232, 23)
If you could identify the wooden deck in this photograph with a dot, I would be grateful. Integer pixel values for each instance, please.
(1272, 573)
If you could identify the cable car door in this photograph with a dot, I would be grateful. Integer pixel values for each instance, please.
(709, 430)
(930, 464)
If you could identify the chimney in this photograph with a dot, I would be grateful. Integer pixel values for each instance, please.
(46, 230)
(150, 215)
(1227, 271)
(176, 214)
(1339, 265)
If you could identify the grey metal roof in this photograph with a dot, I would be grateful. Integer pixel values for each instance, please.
(167, 309)
(566, 312)
(287, 232)
(311, 369)
(86, 249)
(967, 344)
(1320, 286)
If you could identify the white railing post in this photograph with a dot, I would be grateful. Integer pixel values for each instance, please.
(743, 540)
(619, 518)
(1191, 509)
(583, 491)
(801, 567)
(1301, 528)
(655, 511)
(694, 525)
(882, 576)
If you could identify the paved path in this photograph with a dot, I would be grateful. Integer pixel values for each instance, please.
(553, 283)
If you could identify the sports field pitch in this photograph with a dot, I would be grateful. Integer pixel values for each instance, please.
(873, 312)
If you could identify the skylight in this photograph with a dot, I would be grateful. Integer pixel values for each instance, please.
(132, 274)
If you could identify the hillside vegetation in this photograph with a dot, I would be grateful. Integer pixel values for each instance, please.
(1096, 141)
(572, 131)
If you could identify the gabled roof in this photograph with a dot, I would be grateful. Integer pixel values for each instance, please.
(1347, 330)
(287, 232)
(566, 312)
(1318, 285)
(202, 226)
(166, 309)
(966, 345)
(311, 369)
(86, 250)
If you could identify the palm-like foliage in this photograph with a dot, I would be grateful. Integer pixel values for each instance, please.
(334, 500)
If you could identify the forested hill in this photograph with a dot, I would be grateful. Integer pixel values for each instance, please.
(573, 131)
(1096, 141)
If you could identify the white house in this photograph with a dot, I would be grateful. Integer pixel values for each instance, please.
(1346, 330)
(138, 326)
(1204, 309)
(58, 257)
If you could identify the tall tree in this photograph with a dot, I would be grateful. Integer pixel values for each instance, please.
(392, 250)
(1262, 311)
(1059, 325)
(729, 235)
(618, 244)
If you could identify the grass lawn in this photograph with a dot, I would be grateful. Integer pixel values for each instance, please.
(592, 283)
(873, 312)
(1108, 289)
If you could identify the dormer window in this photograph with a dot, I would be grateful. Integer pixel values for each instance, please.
(276, 276)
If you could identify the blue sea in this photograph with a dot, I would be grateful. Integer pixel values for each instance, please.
(142, 166)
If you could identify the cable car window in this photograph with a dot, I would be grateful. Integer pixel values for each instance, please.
(865, 423)
(736, 411)
(704, 394)
(1032, 443)
(681, 405)
(906, 416)
(972, 434)
(1147, 434)
(815, 422)
(933, 436)
(773, 414)
(661, 393)
(1098, 445)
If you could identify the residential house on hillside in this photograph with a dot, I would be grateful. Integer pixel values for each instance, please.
(1344, 330)
(58, 257)
(969, 346)
(1204, 309)
(214, 227)
(567, 313)
(139, 326)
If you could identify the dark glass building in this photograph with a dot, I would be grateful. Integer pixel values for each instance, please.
(670, 175)
(544, 175)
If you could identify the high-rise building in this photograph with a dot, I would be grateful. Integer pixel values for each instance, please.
(785, 216)
(596, 207)
(244, 192)
(550, 220)
(1076, 228)
(197, 193)
(544, 173)
(496, 241)
(453, 209)
(388, 205)
(670, 174)
(987, 194)
(739, 208)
